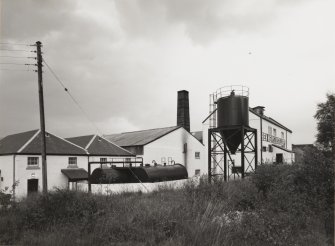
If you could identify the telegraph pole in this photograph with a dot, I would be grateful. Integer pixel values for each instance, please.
(42, 119)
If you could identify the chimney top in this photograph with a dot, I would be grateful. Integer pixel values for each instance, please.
(183, 110)
(259, 110)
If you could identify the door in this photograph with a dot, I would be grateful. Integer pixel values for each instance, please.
(279, 158)
(32, 186)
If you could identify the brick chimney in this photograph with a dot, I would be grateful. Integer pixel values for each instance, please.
(183, 110)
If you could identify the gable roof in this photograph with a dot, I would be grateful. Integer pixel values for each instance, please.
(11, 144)
(140, 138)
(198, 135)
(97, 145)
(30, 143)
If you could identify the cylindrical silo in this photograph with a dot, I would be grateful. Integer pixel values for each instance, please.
(232, 111)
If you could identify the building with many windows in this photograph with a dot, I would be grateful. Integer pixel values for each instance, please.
(67, 162)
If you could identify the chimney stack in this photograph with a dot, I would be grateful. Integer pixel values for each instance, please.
(259, 110)
(183, 110)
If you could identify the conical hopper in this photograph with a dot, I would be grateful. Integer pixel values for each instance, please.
(233, 139)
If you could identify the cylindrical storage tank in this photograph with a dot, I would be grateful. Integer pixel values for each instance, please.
(110, 176)
(232, 110)
(161, 173)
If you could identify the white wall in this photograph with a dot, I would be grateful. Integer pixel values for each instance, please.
(6, 167)
(172, 145)
(22, 172)
(254, 122)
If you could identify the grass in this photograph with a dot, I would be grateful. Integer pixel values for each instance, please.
(278, 205)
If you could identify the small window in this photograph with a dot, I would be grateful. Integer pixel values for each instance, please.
(282, 135)
(270, 148)
(197, 172)
(32, 161)
(73, 161)
(103, 160)
(197, 155)
(275, 132)
(264, 148)
(270, 130)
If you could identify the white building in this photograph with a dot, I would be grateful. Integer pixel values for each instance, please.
(274, 140)
(20, 161)
(165, 145)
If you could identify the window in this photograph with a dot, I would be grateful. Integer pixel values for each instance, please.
(73, 161)
(103, 160)
(264, 148)
(197, 172)
(274, 132)
(32, 161)
(270, 130)
(282, 135)
(197, 155)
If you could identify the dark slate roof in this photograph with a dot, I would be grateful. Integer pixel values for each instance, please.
(75, 174)
(82, 141)
(55, 146)
(12, 143)
(198, 135)
(30, 143)
(96, 145)
(140, 138)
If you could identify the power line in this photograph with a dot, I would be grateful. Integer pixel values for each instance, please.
(22, 70)
(72, 97)
(16, 50)
(17, 44)
(23, 57)
(13, 63)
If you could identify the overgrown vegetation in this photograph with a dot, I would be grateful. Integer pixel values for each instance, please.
(278, 205)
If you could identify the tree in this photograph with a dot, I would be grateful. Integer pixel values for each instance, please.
(325, 116)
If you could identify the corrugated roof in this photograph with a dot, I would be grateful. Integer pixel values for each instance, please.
(96, 145)
(30, 143)
(139, 138)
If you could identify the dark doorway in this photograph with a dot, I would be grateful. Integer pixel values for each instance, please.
(32, 186)
(279, 158)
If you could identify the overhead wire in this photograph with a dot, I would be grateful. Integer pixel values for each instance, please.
(19, 57)
(71, 96)
(14, 44)
(13, 63)
(16, 50)
(22, 70)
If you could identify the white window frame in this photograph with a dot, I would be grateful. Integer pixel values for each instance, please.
(197, 154)
(29, 161)
(70, 161)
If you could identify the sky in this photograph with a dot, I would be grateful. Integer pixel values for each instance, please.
(124, 61)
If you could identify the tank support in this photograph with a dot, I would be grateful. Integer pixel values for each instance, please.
(221, 163)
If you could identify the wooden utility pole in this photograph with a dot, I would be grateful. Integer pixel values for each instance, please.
(42, 119)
